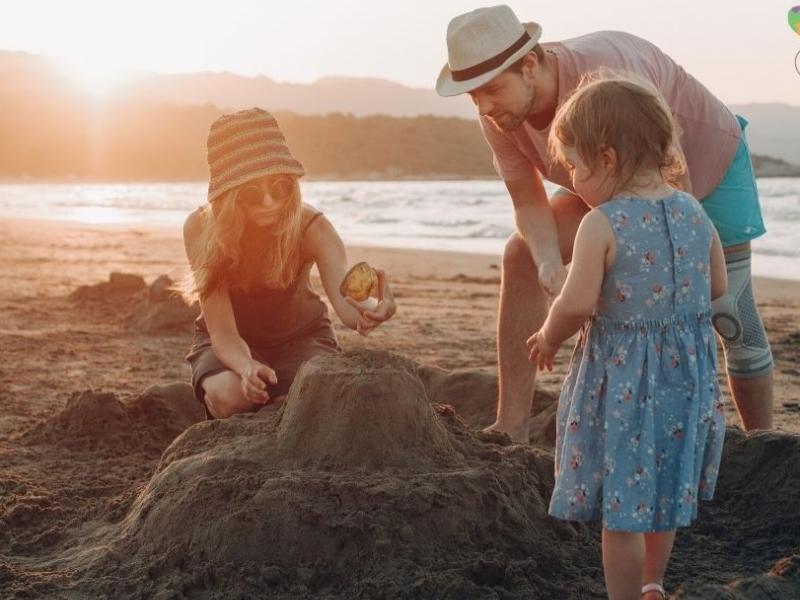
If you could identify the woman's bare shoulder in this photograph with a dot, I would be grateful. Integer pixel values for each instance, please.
(193, 223)
(316, 231)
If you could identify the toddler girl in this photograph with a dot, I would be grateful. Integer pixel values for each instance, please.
(640, 423)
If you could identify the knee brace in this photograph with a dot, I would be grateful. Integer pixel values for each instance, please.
(736, 319)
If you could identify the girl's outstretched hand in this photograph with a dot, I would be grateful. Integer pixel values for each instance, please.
(370, 318)
(541, 351)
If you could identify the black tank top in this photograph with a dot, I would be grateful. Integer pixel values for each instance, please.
(268, 317)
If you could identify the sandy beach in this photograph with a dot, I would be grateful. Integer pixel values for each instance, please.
(110, 484)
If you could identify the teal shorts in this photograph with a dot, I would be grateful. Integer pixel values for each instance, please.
(733, 206)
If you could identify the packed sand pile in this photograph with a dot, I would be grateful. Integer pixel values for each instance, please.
(81, 465)
(751, 526)
(356, 486)
(163, 310)
(156, 308)
(100, 421)
(364, 483)
(120, 287)
(362, 411)
(473, 395)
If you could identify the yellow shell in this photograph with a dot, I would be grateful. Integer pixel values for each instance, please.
(359, 282)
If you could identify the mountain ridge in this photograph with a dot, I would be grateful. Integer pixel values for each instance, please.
(342, 127)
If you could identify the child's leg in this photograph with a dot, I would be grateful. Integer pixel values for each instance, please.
(658, 547)
(623, 563)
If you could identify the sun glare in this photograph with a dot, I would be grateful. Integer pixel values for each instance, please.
(97, 79)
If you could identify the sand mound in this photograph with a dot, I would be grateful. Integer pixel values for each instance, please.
(358, 487)
(357, 483)
(751, 527)
(154, 309)
(99, 420)
(119, 286)
(164, 310)
(362, 410)
(782, 581)
(473, 395)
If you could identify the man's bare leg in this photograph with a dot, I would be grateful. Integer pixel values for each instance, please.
(752, 396)
(522, 310)
(753, 399)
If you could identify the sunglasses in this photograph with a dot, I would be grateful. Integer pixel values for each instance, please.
(280, 189)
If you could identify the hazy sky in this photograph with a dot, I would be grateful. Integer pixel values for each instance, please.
(743, 50)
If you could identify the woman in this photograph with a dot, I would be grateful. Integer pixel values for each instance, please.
(251, 249)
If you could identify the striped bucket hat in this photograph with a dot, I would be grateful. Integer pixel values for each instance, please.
(246, 145)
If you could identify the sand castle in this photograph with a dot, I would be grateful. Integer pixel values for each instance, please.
(361, 485)
(357, 477)
(356, 467)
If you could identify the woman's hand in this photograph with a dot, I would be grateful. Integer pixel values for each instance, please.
(254, 377)
(329, 253)
(370, 318)
(541, 351)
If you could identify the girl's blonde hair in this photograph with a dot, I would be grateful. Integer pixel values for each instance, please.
(231, 252)
(623, 112)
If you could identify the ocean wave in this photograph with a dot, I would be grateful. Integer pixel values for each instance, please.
(450, 223)
(468, 216)
(491, 231)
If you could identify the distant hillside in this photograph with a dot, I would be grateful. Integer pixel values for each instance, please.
(157, 129)
(767, 166)
(774, 129)
(53, 140)
(357, 96)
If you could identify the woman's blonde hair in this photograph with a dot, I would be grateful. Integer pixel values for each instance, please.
(232, 252)
(623, 112)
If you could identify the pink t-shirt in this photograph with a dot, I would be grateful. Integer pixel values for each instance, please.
(709, 131)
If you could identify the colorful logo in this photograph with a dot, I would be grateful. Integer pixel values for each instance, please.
(794, 23)
(794, 19)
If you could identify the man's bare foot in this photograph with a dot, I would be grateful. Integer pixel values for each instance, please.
(518, 435)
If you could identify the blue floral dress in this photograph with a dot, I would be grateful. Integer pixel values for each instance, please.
(640, 421)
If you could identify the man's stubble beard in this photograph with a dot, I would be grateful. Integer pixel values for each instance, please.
(519, 118)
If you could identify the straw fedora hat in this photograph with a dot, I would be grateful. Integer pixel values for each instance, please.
(480, 45)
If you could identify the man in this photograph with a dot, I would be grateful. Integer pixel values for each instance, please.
(517, 85)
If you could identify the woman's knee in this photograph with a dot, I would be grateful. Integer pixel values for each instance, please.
(223, 395)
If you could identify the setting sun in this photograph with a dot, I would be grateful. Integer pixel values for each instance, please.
(98, 79)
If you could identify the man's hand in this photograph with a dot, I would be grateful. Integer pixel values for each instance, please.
(541, 351)
(552, 276)
(254, 377)
(370, 318)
